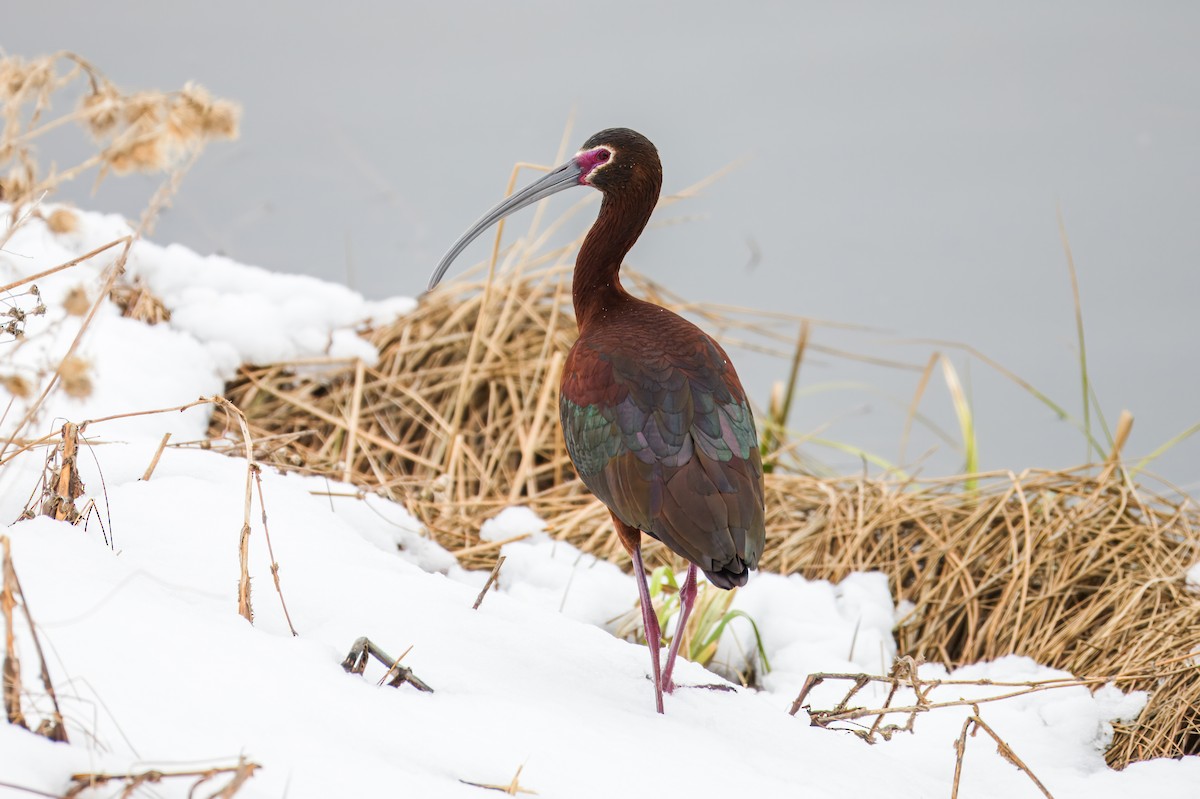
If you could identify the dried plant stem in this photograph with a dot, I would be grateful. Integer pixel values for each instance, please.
(162, 445)
(244, 607)
(252, 475)
(355, 410)
(241, 772)
(363, 649)
(262, 504)
(53, 728)
(487, 546)
(30, 791)
(490, 581)
(73, 262)
(67, 478)
(1008, 754)
(113, 271)
(12, 665)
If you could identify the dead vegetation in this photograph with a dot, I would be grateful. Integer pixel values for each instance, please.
(142, 131)
(149, 131)
(238, 775)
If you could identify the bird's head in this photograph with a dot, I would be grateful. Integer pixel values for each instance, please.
(617, 161)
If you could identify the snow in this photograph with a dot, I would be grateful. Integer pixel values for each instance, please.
(155, 668)
(1192, 579)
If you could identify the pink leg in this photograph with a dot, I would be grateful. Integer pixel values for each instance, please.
(650, 622)
(687, 597)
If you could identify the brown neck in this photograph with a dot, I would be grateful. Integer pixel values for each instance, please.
(596, 288)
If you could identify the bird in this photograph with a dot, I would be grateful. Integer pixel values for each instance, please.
(654, 416)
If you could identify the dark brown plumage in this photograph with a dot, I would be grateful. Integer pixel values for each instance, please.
(654, 416)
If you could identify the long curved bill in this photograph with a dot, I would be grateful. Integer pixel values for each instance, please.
(559, 178)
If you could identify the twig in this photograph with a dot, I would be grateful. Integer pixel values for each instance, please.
(394, 668)
(362, 649)
(904, 674)
(31, 791)
(1008, 754)
(960, 749)
(52, 728)
(486, 545)
(270, 551)
(491, 579)
(61, 267)
(355, 410)
(133, 780)
(513, 788)
(157, 454)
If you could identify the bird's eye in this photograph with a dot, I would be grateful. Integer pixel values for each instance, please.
(603, 155)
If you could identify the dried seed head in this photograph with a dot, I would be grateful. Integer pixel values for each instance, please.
(136, 301)
(101, 109)
(13, 74)
(143, 109)
(146, 154)
(63, 220)
(40, 75)
(222, 119)
(15, 185)
(184, 119)
(75, 378)
(77, 302)
(18, 386)
(194, 112)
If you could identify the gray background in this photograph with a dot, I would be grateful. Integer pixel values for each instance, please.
(906, 166)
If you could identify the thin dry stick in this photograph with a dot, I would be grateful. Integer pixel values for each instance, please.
(113, 271)
(490, 580)
(56, 729)
(61, 267)
(960, 750)
(242, 771)
(270, 551)
(12, 665)
(244, 607)
(162, 445)
(30, 791)
(1008, 754)
(513, 788)
(394, 668)
(841, 712)
(487, 545)
(363, 649)
(355, 409)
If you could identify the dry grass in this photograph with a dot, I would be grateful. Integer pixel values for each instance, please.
(1080, 570)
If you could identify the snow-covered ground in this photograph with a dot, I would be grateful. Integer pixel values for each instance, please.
(155, 668)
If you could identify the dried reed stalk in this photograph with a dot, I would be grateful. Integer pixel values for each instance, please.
(12, 596)
(238, 774)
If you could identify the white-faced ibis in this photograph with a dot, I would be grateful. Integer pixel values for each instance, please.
(654, 416)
